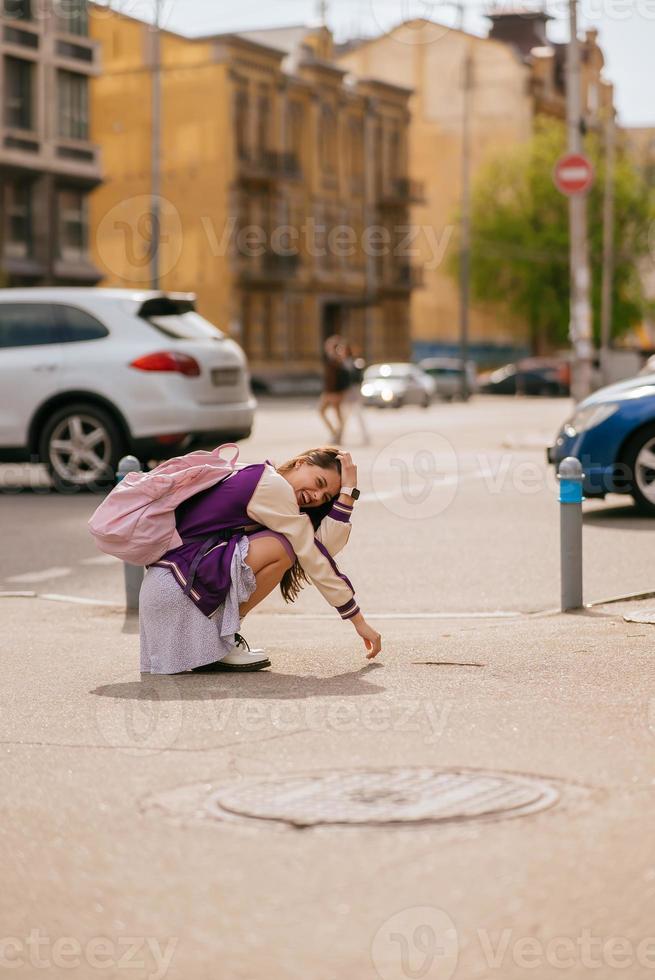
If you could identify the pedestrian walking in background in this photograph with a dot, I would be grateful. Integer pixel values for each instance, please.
(336, 382)
(353, 407)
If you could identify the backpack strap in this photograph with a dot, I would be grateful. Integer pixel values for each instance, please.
(208, 543)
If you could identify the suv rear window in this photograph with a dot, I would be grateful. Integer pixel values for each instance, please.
(76, 325)
(28, 325)
(178, 319)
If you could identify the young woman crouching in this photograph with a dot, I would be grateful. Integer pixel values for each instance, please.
(258, 528)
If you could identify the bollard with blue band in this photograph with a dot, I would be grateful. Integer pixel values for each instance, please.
(570, 478)
(133, 573)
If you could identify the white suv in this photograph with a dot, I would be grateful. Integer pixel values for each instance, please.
(87, 375)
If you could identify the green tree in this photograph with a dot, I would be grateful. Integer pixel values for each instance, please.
(520, 237)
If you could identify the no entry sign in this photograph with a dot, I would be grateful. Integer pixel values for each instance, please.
(573, 174)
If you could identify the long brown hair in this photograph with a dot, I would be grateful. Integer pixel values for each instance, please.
(294, 579)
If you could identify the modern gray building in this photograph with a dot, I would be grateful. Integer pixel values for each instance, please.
(48, 166)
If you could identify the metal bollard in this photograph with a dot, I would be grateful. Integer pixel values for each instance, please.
(570, 478)
(133, 573)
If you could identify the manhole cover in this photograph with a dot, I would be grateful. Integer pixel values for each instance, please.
(383, 796)
(647, 616)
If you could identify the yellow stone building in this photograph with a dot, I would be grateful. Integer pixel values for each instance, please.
(515, 74)
(284, 186)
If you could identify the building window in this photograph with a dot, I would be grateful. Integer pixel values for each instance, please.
(263, 123)
(19, 88)
(328, 140)
(73, 18)
(296, 131)
(73, 224)
(395, 155)
(242, 122)
(73, 105)
(18, 220)
(17, 9)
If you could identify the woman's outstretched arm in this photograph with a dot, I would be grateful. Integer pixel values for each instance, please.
(273, 505)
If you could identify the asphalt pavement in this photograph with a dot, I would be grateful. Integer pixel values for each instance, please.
(477, 803)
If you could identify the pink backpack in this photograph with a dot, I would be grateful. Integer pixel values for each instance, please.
(136, 521)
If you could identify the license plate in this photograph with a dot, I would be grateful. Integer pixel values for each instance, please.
(225, 376)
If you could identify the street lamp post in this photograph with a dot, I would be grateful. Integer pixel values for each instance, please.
(155, 205)
(608, 244)
(465, 223)
(580, 327)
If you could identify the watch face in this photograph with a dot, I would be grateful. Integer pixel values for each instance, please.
(355, 494)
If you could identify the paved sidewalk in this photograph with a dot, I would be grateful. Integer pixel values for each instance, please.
(108, 835)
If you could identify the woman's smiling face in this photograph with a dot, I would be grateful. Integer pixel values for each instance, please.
(313, 485)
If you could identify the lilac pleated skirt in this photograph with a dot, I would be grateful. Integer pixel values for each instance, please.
(175, 635)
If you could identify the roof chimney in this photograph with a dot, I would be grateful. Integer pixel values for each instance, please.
(523, 28)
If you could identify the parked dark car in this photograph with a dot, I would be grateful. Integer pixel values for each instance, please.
(534, 376)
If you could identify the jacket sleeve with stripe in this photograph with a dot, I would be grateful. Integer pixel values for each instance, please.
(274, 506)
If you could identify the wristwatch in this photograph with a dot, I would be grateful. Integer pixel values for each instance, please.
(351, 492)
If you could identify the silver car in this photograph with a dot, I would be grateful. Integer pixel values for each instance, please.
(395, 385)
(447, 372)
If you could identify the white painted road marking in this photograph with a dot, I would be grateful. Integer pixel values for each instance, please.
(43, 576)
(79, 600)
(100, 560)
(84, 601)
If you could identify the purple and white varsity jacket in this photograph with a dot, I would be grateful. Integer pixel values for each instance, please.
(254, 498)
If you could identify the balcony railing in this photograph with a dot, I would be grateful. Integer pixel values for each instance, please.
(401, 278)
(268, 165)
(270, 267)
(402, 190)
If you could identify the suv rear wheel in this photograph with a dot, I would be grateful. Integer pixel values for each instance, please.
(81, 446)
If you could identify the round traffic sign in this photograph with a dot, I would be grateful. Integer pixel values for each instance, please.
(573, 174)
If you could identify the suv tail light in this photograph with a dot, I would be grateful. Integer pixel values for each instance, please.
(168, 361)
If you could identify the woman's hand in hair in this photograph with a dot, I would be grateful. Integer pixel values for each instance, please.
(372, 639)
(348, 470)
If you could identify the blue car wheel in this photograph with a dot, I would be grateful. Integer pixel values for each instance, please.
(639, 460)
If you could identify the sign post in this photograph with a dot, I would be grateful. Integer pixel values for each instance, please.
(576, 176)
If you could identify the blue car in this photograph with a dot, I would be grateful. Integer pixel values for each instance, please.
(612, 433)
